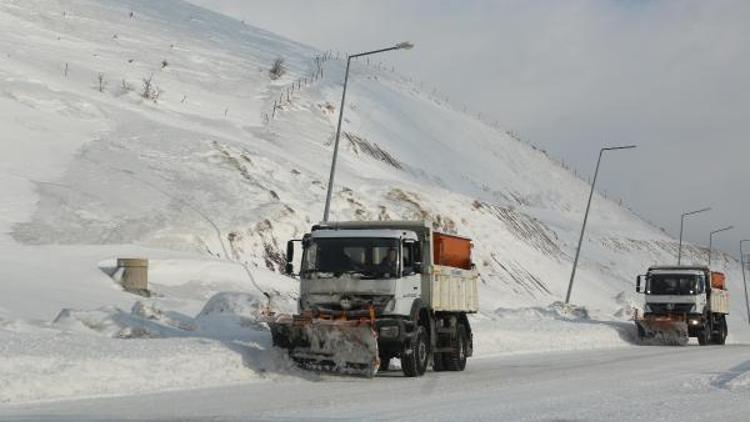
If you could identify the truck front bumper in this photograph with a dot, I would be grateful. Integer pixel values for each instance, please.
(394, 330)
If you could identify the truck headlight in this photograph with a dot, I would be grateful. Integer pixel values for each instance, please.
(391, 331)
(390, 305)
(647, 308)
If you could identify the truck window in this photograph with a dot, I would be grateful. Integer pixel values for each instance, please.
(701, 284)
(672, 284)
(411, 257)
(355, 257)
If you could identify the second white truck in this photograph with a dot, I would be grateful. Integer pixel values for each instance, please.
(682, 302)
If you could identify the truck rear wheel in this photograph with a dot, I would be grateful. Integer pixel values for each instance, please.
(720, 335)
(456, 360)
(416, 354)
(437, 362)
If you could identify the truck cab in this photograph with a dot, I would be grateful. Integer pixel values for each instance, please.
(675, 291)
(352, 269)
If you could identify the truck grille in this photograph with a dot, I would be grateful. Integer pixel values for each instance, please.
(670, 308)
(357, 303)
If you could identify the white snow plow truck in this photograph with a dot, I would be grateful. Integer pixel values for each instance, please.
(683, 302)
(374, 291)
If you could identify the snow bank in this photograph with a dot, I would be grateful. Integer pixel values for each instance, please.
(36, 366)
(108, 351)
(741, 383)
(547, 329)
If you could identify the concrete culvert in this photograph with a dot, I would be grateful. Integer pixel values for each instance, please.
(134, 275)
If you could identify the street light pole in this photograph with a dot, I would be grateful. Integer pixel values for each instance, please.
(744, 281)
(400, 46)
(711, 238)
(682, 224)
(586, 216)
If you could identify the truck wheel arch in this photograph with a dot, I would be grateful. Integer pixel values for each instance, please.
(464, 319)
(418, 309)
(420, 314)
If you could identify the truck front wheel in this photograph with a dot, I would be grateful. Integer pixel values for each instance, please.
(704, 336)
(415, 354)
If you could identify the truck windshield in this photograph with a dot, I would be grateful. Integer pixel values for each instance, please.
(674, 284)
(355, 257)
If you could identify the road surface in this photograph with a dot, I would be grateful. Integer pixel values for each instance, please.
(637, 383)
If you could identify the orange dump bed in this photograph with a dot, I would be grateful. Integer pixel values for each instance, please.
(718, 280)
(452, 251)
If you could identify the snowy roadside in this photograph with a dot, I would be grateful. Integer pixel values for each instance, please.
(112, 352)
(547, 329)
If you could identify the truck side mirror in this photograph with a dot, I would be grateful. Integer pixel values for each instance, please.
(289, 267)
(289, 251)
(638, 283)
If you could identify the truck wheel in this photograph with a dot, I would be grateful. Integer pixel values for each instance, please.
(720, 337)
(385, 363)
(704, 336)
(416, 354)
(438, 364)
(456, 360)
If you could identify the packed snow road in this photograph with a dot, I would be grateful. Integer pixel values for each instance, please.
(637, 383)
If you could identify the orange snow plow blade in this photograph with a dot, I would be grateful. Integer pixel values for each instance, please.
(662, 329)
(333, 343)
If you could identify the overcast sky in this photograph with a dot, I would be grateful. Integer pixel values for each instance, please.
(672, 77)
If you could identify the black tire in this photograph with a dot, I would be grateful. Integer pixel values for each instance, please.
(720, 336)
(456, 360)
(704, 336)
(416, 354)
(385, 363)
(438, 364)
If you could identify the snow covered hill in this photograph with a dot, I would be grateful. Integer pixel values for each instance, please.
(216, 164)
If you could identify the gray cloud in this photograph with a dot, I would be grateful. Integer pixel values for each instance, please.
(670, 76)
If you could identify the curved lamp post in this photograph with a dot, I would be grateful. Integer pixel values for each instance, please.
(711, 240)
(400, 46)
(744, 281)
(586, 216)
(682, 225)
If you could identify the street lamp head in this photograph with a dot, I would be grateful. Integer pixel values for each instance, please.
(697, 211)
(621, 147)
(722, 229)
(406, 45)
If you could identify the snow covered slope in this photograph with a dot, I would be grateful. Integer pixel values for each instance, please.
(209, 175)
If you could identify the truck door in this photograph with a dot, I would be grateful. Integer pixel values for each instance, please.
(409, 285)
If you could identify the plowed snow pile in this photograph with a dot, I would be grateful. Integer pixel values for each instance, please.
(109, 351)
(148, 129)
